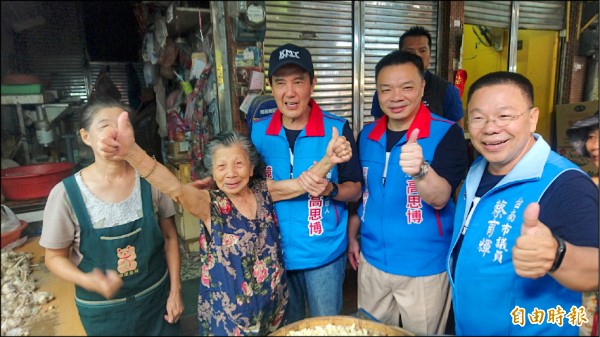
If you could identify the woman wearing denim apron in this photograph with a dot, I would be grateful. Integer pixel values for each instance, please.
(102, 233)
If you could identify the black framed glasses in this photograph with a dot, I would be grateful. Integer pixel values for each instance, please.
(504, 119)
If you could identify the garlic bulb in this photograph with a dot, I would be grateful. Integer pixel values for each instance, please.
(20, 301)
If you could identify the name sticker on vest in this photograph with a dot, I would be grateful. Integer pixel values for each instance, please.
(127, 265)
(365, 195)
(414, 207)
(315, 215)
(269, 172)
(505, 223)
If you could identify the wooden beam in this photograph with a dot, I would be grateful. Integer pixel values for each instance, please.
(595, 18)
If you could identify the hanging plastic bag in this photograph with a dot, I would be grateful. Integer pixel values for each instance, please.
(10, 222)
(168, 54)
(151, 50)
(174, 99)
(176, 127)
(160, 30)
(148, 73)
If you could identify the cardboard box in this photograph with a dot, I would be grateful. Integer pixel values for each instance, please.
(566, 116)
(188, 226)
(178, 150)
(192, 245)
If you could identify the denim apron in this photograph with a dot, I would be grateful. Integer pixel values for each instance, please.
(136, 251)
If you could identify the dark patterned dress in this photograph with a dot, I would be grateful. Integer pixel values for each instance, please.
(243, 289)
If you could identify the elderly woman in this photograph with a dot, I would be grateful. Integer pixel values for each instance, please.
(583, 136)
(113, 235)
(243, 290)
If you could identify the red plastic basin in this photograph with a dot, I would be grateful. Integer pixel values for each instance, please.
(33, 181)
(13, 235)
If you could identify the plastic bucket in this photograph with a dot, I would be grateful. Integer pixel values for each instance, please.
(33, 181)
(13, 235)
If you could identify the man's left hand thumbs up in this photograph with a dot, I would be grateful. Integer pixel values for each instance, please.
(535, 249)
(338, 149)
(530, 220)
(411, 155)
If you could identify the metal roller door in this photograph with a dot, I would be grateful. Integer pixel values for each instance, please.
(325, 29)
(488, 13)
(542, 15)
(346, 40)
(117, 71)
(383, 24)
(55, 50)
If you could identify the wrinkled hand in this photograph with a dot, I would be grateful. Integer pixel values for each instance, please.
(116, 143)
(535, 250)
(107, 284)
(175, 307)
(203, 184)
(411, 155)
(313, 184)
(338, 149)
(353, 245)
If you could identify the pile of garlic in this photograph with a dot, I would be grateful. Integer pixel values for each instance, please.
(333, 330)
(20, 300)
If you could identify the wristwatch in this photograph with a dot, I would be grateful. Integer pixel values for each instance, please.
(334, 190)
(422, 172)
(560, 253)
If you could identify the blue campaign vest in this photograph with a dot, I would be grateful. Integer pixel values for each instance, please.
(398, 235)
(313, 230)
(485, 285)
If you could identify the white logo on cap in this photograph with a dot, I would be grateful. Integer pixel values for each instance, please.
(288, 53)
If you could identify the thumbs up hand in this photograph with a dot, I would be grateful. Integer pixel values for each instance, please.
(535, 249)
(338, 149)
(411, 155)
(115, 143)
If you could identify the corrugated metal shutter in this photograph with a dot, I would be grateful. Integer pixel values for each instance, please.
(325, 29)
(384, 23)
(488, 13)
(118, 75)
(55, 50)
(542, 15)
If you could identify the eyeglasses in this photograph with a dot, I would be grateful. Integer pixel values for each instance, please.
(478, 122)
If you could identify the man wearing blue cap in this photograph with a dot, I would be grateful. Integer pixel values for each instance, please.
(313, 225)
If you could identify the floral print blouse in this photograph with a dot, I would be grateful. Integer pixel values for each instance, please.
(243, 288)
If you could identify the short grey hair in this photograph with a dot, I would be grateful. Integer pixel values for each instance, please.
(229, 139)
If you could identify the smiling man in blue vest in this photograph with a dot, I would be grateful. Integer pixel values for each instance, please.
(412, 161)
(525, 240)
